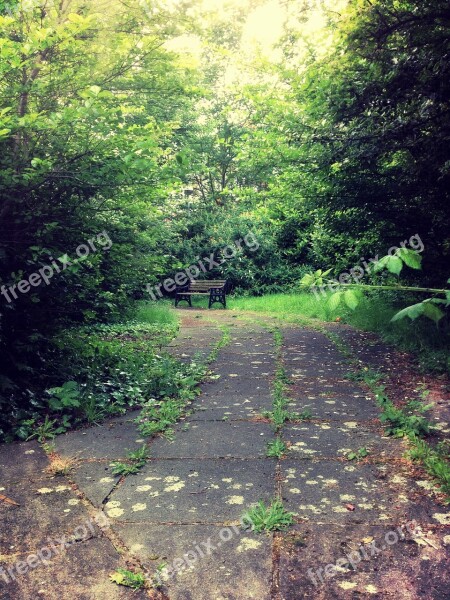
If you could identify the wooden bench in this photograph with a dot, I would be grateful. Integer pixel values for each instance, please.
(216, 289)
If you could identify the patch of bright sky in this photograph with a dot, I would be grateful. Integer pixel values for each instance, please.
(265, 24)
(261, 32)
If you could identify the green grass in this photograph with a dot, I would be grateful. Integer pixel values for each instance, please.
(421, 337)
(158, 417)
(156, 312)
(284, 305)
(358, 454)
(409, 422)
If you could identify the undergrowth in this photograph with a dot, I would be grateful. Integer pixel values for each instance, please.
(110, 368)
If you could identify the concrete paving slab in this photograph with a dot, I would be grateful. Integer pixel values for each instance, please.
(336, 440)
(220, 410)
(255, 346)
(46, 508)
(386, 562)
(95, 479)
(339, 402)
(254, 358)
(314, 368)
(215, 439)
(223, 563)
(325, 491)
(243, 370)
(111, 440)
(81, 571)
(192, 491)
(244, 400)
(24, 461)
(232, 386)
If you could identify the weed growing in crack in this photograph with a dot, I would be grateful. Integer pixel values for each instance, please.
(129, 579)
(280, 413)
(159, 416)
(224, 341)
(135, 461)
(273, 517)
(358, 454)
(305, 415)
(435, 464)
(60, 465)
(276, 448)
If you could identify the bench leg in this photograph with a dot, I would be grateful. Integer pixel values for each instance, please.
(180, 298)
(215, 297)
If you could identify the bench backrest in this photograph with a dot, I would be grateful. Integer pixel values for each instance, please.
(203, 285)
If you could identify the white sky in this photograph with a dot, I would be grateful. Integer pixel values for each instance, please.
(262, 30)
(264, 25)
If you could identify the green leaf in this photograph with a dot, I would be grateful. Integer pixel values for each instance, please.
(413, 312)
(380, 264)
(351, 299)
(117, 578)
(432, 312)
(410, 258)
(427, 308)
(394, 265)
(308, 279)
(334, 300)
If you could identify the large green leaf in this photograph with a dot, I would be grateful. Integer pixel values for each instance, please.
(433, 312)
(334, 300)
(380, 264)
(308, 279)
(410, 257)
(351, 299)
(413, 312)
(427, 308)
(394, 264)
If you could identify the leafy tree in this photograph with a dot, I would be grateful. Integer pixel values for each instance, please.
(83, 151)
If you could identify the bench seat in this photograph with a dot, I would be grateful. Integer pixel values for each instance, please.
(216, 289)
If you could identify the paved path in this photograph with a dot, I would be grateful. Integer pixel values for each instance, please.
(184, 507)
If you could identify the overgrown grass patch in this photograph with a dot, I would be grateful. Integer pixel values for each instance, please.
(156, 312)
(410, 422)
(301, 304)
